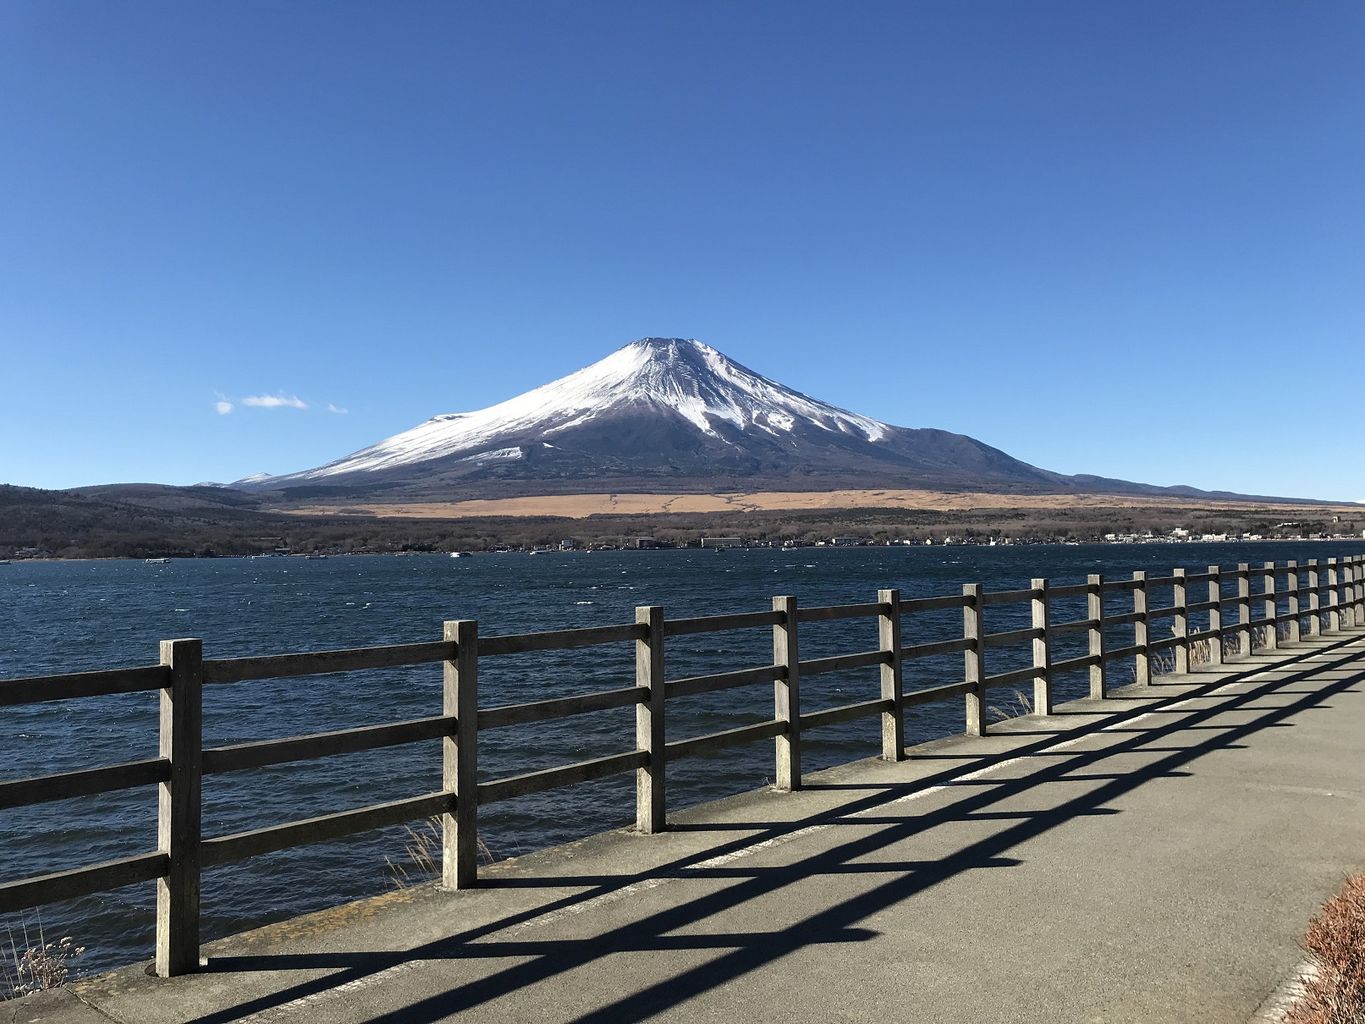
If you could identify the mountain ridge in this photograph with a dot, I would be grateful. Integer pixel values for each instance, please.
(677, 414)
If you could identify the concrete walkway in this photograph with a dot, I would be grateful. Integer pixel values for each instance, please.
(1153, 857)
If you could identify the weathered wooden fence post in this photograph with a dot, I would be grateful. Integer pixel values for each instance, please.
(1352, 578)
(1243, 608)
(1357, 572)
(974, 658)
(1360, 590)
(650, 807)
(1181, 599)
(1216, 615)
(1358, 610)
(1344, 593)
(1094, 608)
(1314, 599)
(1333, 596)
(179, 801)
(889, 640)
(1348, 592)
(1291, 585)
(787, 694)
(1142, 661)
(1271, 606)
(460, 758)
(1039, 619)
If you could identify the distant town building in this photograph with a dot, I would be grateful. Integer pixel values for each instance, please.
(720, 542)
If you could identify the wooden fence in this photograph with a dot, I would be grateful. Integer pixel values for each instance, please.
(1315, 598)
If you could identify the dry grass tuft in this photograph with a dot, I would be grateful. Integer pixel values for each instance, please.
(1162, 663)
(1018, 706)
(1336, 942)
(35, 966)
(421, 860)
(1201, 651)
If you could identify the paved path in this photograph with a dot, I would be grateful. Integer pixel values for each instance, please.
(1148, 858)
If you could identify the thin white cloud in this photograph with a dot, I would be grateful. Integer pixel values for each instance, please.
(337, 409)
(223, 407)
(279, 401)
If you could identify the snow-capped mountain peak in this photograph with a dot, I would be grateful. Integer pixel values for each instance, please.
(702, 385)
(676, 376)
(668, 416)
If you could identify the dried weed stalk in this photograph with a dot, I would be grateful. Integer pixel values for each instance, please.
(31, 966)
(421, 859)
(1018, 706)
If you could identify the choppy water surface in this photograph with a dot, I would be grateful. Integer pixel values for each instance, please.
(61, 617)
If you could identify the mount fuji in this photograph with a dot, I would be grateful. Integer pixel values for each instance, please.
(677, 415)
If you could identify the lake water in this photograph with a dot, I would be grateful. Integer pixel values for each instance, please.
(73, 616)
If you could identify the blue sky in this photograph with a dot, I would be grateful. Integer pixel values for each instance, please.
(1120, 238)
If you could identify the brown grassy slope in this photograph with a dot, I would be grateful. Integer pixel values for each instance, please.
(579, 506)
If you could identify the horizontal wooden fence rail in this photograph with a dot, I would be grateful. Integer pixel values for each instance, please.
(1179, 620)
(82, 684)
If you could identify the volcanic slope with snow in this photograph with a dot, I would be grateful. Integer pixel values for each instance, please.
(664, 414)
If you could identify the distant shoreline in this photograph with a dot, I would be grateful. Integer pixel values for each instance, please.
(423, 553)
